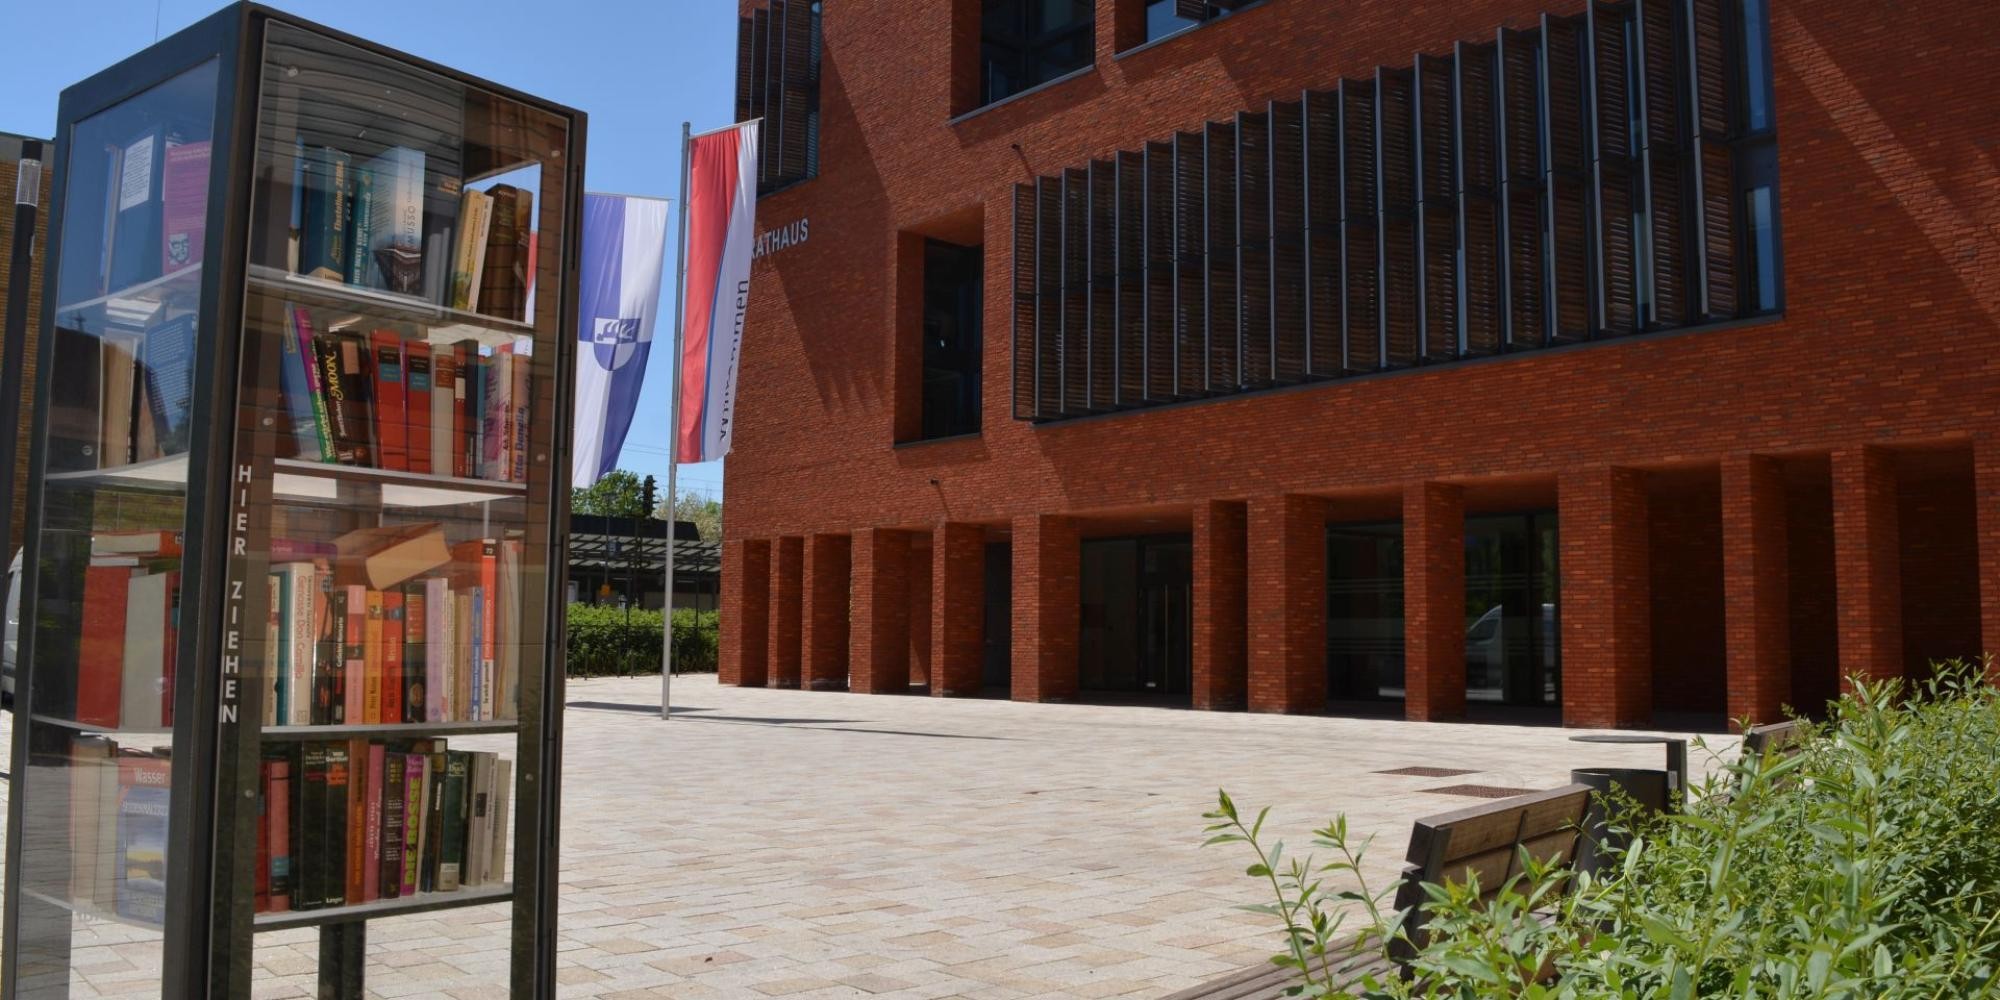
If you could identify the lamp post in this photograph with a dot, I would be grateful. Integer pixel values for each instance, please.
(27, 200)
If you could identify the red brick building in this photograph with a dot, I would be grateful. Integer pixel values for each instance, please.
(1615, 362)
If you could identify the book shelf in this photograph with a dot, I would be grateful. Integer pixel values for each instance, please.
(301, 464)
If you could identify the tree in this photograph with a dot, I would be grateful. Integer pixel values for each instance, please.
(615, 495)
(704, 511)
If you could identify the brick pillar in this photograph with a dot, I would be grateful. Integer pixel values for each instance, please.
(1607, 670)
(1433, 602)
(1756, 588)
(958, 614)
(919, 568)
(1867, 564)
(1047, 619)
(787, 583)
(879, 643)
(824, 619)
(1286, 552)
(1221, 680)
(1986, 504)
(745, 611)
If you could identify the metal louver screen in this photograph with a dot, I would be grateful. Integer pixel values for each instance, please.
(777, 80)
(1569, 181)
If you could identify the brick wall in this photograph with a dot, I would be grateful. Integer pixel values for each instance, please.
(787, 598)
(958, 562)
(1287, 567)
(1606, 613)
(745, 612)
(824, 618)
(1220, 680)
(1434, 601)
(1890, 338)
(1047, 574)
(879, 645)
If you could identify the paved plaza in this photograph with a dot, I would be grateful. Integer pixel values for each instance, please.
(813, 845)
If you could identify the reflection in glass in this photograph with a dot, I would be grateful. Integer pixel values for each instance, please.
(1136, 614)
(1364, 624)
(1511, 638)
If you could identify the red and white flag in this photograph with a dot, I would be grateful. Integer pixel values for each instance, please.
(721, 217)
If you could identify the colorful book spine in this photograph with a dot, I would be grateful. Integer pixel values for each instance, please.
(372, 671)
(301, 589)
(338, 774)
(395, 791)
(444, 391)
(295, 372)
(413, 804)
(278, 816)
(451, 828)
(391, 422)
(183, 205)
(323, 243)
(361, 226)
(359, 782)
(330, 663)
(101, 650)
(143, 796)
(302, 329)
(354, 653)
(395, 238)
(415, 665)
(438, 608)
(344, 383)
(393, 620)
(417, 405)
(371, 862)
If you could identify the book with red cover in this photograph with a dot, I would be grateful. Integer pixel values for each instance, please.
(353, 652)
(392, 656)
(100, 667)
(371, 862)
(465, 360)
(278, 817)
(391, 421)
(417, 404)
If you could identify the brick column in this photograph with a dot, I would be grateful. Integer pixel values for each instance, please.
(1867, 564)
(787, 583)
(1756, 588)
(920, 611)
(745, 611)
(958, 615)
(824, 619)
(879, 642)
(1607, 671)
(1286, 552)
(1047, 618)
(1221, 578)
(1986, 504)
(1433, 602)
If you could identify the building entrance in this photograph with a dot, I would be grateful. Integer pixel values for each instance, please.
(1137, 615)
(1512, 640)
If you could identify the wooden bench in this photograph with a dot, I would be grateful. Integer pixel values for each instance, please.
(1783, 738)
(1485, 841)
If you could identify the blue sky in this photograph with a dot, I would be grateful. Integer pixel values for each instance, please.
(638, 67)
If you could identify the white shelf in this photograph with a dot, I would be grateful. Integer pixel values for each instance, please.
(315, 482)
(423, 902)
(442, 325)
(131, 310)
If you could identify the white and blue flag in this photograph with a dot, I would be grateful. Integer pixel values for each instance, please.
(624, 247)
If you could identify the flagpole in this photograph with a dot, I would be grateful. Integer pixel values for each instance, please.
(674, 446)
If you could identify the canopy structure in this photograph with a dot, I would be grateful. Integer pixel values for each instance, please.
(615, 557)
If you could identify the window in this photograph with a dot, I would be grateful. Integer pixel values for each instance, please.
(1601, 174)
(1026, 43)
(777, 80)
(952, 276)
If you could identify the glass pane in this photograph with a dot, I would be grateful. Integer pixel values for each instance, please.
(1510, 610)
(1364, 624)
(1763, 248)
(1161, 20)
(106, 617)
(1756, 67)
(400, 316)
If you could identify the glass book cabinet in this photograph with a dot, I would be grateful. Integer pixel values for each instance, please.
(291, 643)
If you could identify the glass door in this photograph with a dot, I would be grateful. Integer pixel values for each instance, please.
(94, 796)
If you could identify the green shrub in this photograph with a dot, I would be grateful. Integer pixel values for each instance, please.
(1866, 866)
(604, 641)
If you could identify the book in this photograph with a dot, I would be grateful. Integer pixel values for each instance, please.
(360, 226)
(384, 557)
(391, 424)
(151, 544)
(395, 803)
(518, 426)
(468, 418)
(501, 291)
(344, 384)
(283, 686)
(413, 804)
(475, 657)
(338, 775)
(392, 655)
(444, 394)
(478, 827)
(371, 863)
(298, 636)
(353, 653)
(311, 852)
(295, 382)
(183, 205)
(166, 361)
(93, 763)
(372, 671)
(144, 687)
(329, 659)
(323, 229)
(503, 795)
(496, 423)
(144, 793)
(302, 330)
(278, 816)
(417, 405)
(395, 238)
(458, 679)
(273, 649)
(436, 648)
(361, 783)
(100, 666)
(475, 219)
(451, 821)
(415, 668)
(507, 674)
(433, 816)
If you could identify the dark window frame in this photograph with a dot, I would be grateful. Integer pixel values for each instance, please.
(963, 363)
(1031, 45)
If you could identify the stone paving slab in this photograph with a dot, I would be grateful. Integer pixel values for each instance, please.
(808, 845)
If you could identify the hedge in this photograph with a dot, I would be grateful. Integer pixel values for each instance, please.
(605, 641)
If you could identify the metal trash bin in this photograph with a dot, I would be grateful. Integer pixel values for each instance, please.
(1648, 788)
